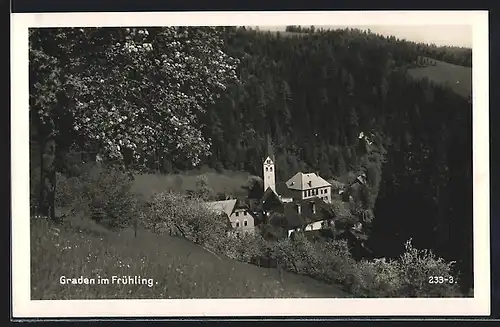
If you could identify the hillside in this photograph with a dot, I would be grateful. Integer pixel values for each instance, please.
(179, 268)
(226, 182)
(458, 78)
(307, 98)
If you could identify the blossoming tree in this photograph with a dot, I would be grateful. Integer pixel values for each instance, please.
(129, 92)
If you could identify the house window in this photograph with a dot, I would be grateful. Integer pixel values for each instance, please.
(270, 168)
(244, 213)
(236, 214)
(267, 169)
(237, 223)
(326, 190)
(305, 193)
(245, 222)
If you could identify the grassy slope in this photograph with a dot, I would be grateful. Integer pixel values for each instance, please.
(227, 182)
(459, 78)
(180, 269)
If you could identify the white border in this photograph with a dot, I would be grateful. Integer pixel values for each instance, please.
(24, 307)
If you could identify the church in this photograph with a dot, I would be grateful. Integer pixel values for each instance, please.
(304, 202)
(300, 186)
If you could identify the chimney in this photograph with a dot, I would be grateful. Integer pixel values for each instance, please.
(313, 205)
(298, 209)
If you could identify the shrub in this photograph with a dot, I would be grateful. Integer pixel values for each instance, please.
(247, 247)
(336, 262)
(70, 193)
(283, 251)
(188, 216)
(417, 266)
(408, 276)
(331, 261)
(101, 192)
(297, 254)
(375, 279)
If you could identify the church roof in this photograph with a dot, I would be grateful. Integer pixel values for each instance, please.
(293, 219)
(283, 190)
(270, 200)
(305, 181)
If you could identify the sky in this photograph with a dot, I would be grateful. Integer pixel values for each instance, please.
(452, 35)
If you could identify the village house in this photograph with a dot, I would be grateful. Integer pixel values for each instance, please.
(241, 218)
(303, 203)
(299, 187)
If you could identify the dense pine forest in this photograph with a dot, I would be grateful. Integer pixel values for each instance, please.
(315, 93)
(310, 94)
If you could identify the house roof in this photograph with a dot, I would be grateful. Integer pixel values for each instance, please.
(252, 204)
(283, 190)
(270, 199)
(226, 206)
(294, 219)
(305, 181)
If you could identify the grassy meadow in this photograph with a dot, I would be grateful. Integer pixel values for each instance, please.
(229, 182)
(202, 261)
(458, 78)
(178, 267)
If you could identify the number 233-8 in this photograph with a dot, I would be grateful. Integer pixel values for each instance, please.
(441, 280)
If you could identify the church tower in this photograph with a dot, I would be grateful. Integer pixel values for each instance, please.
(269, 172)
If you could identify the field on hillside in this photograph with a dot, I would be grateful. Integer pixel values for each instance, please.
(177, 267)
(459, 78)
(226, 182)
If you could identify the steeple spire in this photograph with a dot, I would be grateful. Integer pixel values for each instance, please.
(268, 167)
(269, 148)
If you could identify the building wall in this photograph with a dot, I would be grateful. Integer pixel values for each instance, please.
(238, 219)
(314, 226)
(269, 175)
(324, 193)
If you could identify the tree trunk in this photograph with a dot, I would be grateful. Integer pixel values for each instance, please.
(41, 145)
(48, 178)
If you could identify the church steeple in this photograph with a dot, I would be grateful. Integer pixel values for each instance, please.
(269, 148)
(268, 167)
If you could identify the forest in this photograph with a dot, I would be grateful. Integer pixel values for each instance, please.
(315, 93)
(312, 92)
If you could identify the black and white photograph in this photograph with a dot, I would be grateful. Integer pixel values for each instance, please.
(320, 159)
